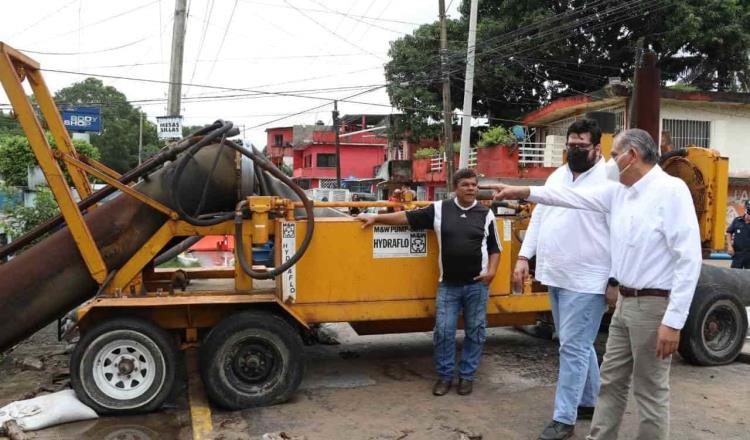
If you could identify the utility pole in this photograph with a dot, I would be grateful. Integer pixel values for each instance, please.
(140, 136)
(338, 144)
(447, 107)
(463, 158)
(178, 49)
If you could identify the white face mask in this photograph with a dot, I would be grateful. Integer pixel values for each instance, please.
(612, 170)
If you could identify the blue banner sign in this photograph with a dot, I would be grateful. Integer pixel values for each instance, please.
(82, 119)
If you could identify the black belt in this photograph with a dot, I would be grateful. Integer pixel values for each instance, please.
(632, 293)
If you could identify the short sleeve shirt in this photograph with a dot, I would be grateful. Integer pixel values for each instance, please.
(740, 231)
(466, 236)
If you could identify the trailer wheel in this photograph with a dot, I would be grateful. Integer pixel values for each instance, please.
(251, 359)
(123, 366)
(715, 330)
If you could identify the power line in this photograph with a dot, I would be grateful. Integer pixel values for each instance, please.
(282, 57)
(337, 35)
(313, 108)
(205, 86)
(223, 39)
(104, 20)
(51, 14)
(209, 8)
(333, 11)
(360, 20)
(90, 52)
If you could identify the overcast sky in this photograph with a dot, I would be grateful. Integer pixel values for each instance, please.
(270, 45)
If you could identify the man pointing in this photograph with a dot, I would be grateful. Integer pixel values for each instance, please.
(656, 262)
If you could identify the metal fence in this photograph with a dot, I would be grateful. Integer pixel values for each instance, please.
(437, 161)
(687, 132)
(531, 154)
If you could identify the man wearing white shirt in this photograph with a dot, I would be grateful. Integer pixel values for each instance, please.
(572, 259)
(656, 262)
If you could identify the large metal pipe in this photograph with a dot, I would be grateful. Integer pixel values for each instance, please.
(646, 96)
(49, 279)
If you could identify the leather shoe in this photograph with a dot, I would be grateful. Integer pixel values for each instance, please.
(464, 386)
(585, 412)
(441, 387)
(557, 431)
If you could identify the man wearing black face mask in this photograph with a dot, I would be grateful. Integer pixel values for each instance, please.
(572, 252)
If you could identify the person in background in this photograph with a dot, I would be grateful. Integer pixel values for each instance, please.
(738, 240)
(354, 211)
(665, 144)
(469, 254)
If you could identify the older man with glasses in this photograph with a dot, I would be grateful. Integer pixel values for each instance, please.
(571, 247)
(656, 261)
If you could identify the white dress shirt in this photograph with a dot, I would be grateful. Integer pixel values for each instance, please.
(571, 245)
(654, 235)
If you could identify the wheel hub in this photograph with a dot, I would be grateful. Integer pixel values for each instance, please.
(253, 363)
(124, 369)
(719, 328)
(126, 366)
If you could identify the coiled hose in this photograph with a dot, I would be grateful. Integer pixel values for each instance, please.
(224, 129)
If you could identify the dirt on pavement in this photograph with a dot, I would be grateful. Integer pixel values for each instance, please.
(379, 387)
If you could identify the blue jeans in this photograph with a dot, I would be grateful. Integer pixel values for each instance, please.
(450, 299)
(577, 319)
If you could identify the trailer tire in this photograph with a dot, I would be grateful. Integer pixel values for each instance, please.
(124, 366)
(715, 330)
(251, 358)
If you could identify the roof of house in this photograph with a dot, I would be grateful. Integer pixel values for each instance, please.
(614, 95)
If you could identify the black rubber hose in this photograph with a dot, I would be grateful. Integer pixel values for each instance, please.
(165, 154)
(223, 130)
(238, 243)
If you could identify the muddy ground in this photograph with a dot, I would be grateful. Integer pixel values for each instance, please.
(378, 387)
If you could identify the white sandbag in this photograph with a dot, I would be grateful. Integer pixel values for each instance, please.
(48, 410)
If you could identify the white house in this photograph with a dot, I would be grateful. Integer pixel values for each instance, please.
(717, 120)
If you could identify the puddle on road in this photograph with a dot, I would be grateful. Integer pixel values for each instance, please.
(336, 379)
(162, 425)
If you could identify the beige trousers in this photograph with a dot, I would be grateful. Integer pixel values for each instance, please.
(631, 352)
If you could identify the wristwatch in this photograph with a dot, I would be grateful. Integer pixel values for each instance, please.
(612, 282)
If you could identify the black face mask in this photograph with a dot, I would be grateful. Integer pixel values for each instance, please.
(578, 160)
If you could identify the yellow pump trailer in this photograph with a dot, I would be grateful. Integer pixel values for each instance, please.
(250, 322)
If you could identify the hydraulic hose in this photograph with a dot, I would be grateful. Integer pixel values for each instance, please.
(223, 130)
(238, 243)
(166, 154)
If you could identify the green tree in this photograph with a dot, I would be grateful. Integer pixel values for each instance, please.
(118, 142)
(9, 125)
(532, 51)
(22, 219)
(16, 157)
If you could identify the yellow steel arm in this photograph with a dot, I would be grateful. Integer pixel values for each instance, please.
(77, 164)
(14, 68)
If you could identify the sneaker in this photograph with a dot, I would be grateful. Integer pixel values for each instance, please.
(557, 431)
(464, 386)
(585, 412)
(441, 387)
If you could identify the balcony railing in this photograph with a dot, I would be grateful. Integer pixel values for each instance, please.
(540, 154)
(437, 161)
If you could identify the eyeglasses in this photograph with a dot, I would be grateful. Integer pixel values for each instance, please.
(577, 146)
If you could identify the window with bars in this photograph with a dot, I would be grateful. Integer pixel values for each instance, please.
(278, 140)
(327, 183)
(326, 160)
(688, 132)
